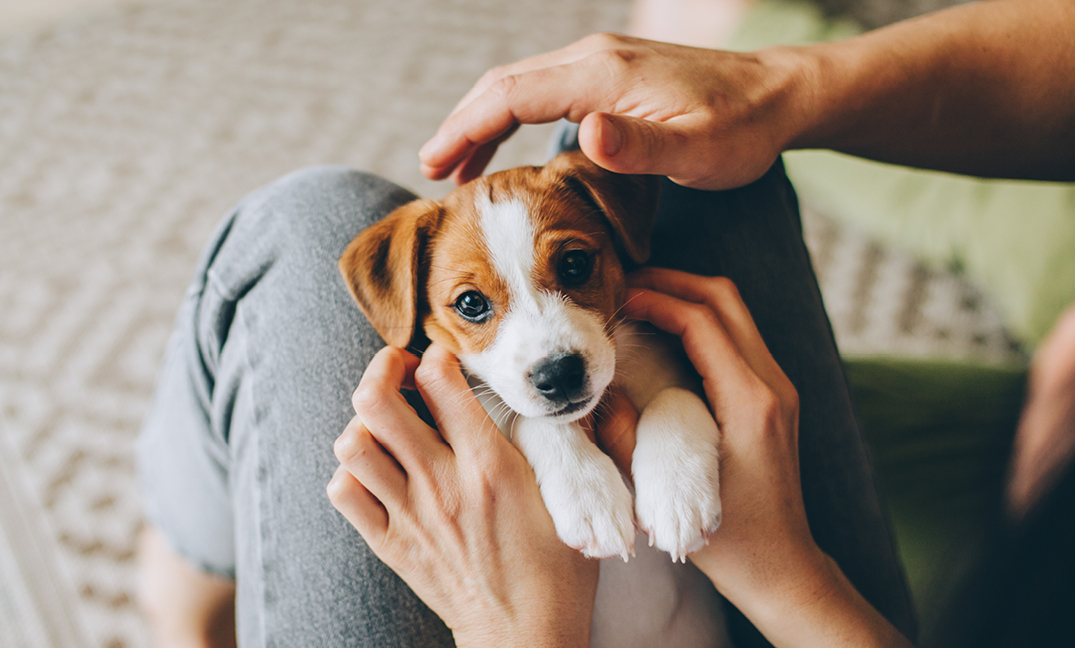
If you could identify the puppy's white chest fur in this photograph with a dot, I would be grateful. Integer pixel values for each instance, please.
(650, 599)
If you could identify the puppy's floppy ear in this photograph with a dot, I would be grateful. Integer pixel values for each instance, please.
(629, 202)
(381, 267)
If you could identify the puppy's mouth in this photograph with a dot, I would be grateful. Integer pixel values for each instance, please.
(582, 406)
(574, 410)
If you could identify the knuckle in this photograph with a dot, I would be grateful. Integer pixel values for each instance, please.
(367, 399)
(488, 464)
(492, 75)
(430, 374)
(790, 400)
(615, 60)
(698, 315)
(335, 491)
(395, 355)
(504, 87)
(723, 288)
(766, 400)
(603, 40)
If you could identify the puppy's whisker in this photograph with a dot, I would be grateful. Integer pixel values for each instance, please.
(616, 312)
(511, 427)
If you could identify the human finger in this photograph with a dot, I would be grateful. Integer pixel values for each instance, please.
(535, 97)
(727, 377)
(387, 414)
(469, 163)
(562, 56)
(360, 454)
(722, 297)
(460, 418)
(475, 163)
(358, 506)
(631, 144)
(616, 424)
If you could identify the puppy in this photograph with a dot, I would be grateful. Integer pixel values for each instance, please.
(519, 274)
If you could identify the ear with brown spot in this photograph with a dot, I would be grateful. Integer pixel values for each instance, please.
(629, 202)
(381, 265)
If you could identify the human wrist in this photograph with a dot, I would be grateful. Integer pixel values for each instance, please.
(536, 626)
(805, 600)
(551, 633)
(773, 581)
(795, 93)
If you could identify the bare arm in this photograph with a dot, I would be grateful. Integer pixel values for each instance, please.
(986, 89)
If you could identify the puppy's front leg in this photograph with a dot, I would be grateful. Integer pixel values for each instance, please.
(582, 488)
(675, 470)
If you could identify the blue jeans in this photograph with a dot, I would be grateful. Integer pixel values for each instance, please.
(268, 346)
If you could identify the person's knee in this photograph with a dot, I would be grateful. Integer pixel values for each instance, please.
(324, 206)
(303, 220)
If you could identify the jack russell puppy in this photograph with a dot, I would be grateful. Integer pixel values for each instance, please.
(519, 274)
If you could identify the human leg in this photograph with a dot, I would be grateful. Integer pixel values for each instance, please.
(184, 606)
(237, 450)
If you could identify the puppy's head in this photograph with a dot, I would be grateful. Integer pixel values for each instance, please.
(517, 273)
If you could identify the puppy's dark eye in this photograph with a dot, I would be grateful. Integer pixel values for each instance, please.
(473, 306)
(575, 267)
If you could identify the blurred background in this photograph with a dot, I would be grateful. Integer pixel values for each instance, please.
(128, 128)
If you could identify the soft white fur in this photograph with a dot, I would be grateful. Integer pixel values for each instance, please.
(650, 601)
(675, 462)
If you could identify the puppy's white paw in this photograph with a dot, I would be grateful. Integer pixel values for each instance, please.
(675, 468)
(591, 507)
(583, 490)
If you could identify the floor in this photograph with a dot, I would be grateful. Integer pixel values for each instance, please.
(32, 14)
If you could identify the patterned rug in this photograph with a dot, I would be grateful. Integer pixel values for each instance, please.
(126, 135)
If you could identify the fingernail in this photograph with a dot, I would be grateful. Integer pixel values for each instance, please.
(612, 137)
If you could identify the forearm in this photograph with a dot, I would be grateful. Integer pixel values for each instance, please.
(985, 89)
(805, 602)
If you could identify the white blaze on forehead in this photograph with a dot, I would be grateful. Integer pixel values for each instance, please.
(535, 323)
(509, 235)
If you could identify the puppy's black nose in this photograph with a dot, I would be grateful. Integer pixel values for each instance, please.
(560, 378)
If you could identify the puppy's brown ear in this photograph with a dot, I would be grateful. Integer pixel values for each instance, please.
(381, 267)
(629, 202)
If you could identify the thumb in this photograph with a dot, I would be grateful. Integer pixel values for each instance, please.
(630, 145)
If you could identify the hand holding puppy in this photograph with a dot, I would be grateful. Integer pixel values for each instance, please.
(457, 512)
(763, 557)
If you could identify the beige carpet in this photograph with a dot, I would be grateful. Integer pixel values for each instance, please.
(127, 133)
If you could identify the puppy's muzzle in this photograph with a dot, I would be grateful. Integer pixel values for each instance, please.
(562, 381)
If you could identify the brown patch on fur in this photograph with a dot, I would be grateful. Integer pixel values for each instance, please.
(564, 222)
(459, 262)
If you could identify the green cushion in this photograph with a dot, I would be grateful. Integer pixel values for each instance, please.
(939, 436)
(1015, 239)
